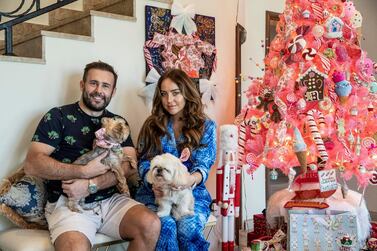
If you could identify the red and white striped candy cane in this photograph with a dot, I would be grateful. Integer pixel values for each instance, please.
(241, 143)
(317, 10)
(311, 115)
(326, 64)
(147, 54)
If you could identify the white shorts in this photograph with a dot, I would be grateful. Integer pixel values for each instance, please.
(105, 218)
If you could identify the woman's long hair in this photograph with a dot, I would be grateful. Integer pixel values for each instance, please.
(149, 143)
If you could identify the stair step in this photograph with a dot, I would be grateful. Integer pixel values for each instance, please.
(67, 23)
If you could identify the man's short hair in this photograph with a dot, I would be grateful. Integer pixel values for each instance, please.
(99, 65)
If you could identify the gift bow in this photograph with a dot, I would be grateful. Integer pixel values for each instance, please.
(276, 240)
(147, 92)
(208, 90)
(183, 18)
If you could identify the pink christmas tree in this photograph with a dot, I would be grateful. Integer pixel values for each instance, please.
(315, 104)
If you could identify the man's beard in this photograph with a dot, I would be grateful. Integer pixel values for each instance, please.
(86, 97)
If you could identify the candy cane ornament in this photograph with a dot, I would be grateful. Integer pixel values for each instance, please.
(311, 117)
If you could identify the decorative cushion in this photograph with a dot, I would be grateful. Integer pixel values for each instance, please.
(22, 200)
(36, 240)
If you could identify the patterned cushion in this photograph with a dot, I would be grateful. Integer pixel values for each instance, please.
(22, 200)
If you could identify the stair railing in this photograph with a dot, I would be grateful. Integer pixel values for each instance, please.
(18, 18)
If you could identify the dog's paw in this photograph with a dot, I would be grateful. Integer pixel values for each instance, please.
(162, 214)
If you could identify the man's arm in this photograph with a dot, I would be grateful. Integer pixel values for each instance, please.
(39, 163)
(108, 179)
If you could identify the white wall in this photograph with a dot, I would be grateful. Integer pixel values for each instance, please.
(254, 197)
(29, 90)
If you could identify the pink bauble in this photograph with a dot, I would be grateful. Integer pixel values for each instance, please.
(301, 104)
(318, 31)
(365, 66)
(341, 53)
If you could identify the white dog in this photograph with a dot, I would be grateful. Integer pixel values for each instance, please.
(168, 172)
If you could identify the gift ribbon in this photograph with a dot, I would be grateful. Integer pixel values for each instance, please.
(147, 92)
(183, 18)
(208, 90)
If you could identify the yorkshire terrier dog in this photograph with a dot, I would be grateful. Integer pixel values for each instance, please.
(169, 173)
(108, 139)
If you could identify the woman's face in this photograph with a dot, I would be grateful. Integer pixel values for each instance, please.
(172, 98)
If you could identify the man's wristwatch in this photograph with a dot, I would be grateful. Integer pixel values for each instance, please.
(92, 187)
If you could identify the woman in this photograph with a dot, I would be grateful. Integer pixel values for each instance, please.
(178, 122)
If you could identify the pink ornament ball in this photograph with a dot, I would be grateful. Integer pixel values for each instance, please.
(341, 54)
(318, 31)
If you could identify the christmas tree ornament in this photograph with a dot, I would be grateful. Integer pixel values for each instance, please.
(325, 104)
(358, 146)
(297, 44)
(309, 53)
(301, 104)
(334, 27)
(300, 149)
(318, 31)
(274, 174)
(343, 87)
(370, 107)
(314, 81)
(306, 14)
(329, 53)
(356, 20)
(354, 111)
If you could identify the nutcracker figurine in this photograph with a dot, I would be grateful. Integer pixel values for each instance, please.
(228, 184)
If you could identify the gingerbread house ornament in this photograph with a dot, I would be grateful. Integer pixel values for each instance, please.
(314, 80)
(334, 26)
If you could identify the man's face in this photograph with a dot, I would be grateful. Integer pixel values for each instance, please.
(98, 89)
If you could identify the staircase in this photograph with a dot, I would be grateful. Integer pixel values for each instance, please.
(73, 21)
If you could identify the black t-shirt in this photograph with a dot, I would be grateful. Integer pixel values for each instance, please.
(71, 132)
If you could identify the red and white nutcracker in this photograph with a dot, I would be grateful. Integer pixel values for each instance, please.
(228, 184)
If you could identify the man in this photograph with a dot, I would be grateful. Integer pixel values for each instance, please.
(64, 134)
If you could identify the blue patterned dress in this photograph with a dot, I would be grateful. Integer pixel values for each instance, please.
(187, 233)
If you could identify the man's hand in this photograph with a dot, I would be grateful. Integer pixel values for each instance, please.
(76, 189)
(95, 167)
(157, 190)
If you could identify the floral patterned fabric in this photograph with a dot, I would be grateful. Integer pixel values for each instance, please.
(27, 198)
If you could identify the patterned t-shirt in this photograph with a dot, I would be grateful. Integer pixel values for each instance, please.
(71, 132)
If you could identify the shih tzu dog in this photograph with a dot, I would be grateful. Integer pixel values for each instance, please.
(108, 139)
(169, 173)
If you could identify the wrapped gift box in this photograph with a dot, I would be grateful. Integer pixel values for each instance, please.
(313, 230)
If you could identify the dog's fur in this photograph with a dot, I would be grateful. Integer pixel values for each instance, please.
(168, 172)
(116, 131)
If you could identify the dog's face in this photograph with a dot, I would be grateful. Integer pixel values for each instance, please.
(116, 129)
(167, 169)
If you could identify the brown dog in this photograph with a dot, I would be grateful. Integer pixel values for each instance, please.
(108, 139)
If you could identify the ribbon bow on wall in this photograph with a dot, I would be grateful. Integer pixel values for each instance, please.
(183, 18)
(147, 92)
(208, 90)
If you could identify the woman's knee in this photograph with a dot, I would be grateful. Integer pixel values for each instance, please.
(149, 223)
(189, 227)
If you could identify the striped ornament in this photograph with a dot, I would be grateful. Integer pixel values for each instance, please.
(309, 53)
(317, 11)
(312, 123)
(325, 62)
(297, 44)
